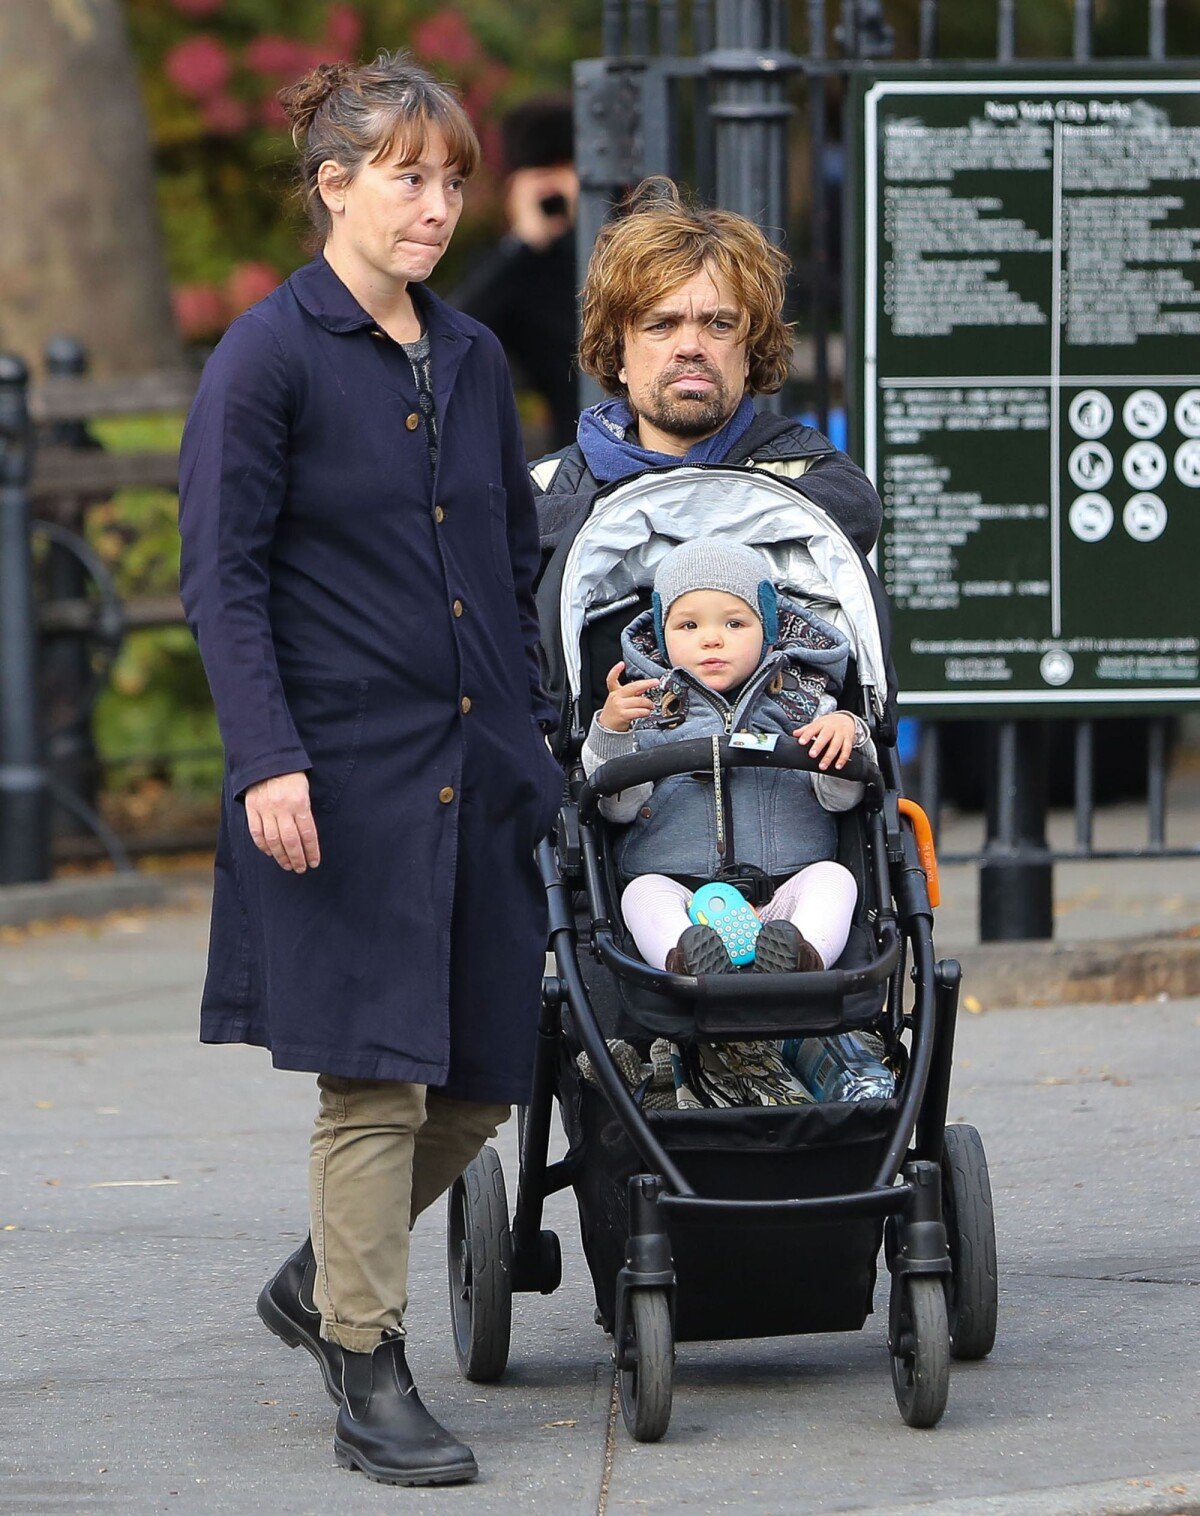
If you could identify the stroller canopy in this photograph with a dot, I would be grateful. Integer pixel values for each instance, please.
(618, 547)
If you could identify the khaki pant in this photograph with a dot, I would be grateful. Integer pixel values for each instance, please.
(381, 1152)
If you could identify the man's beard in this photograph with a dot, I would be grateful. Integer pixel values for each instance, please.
(688, 413)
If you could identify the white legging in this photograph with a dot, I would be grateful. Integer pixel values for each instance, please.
(819, 899)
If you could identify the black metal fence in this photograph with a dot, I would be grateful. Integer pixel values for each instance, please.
(62, 620)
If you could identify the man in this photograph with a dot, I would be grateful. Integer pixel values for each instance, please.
(524, 289)
(682, 325)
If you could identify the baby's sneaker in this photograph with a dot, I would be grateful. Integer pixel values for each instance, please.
(699, 950)
(780, 949)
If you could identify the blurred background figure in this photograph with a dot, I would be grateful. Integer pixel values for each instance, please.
(524, 288)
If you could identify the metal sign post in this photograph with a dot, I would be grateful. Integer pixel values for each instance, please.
(24, 836)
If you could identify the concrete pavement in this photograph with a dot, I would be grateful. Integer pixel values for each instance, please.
(147, 1186)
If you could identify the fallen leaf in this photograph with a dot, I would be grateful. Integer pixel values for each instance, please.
(268, 1402)
(130, 1184)
(566, 1423)
(1116, 1079)
(973, 1005)
(12, 1227)
(108, 1110)
(43, 1105)
(1054, 1079)
(53, 1183)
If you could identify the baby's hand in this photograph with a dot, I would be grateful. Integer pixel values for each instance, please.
(626, 702)
(832, 735)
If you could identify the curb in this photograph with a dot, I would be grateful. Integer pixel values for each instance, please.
(1164, 966)
(21, 904)
(1145, 1495)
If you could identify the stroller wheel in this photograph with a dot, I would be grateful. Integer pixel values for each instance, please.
(919, 1340)
(479, 1255)
(645, 1387)
(971, 1234)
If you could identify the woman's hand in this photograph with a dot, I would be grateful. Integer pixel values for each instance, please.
(832, 735)
(281, 821)
(626, 702)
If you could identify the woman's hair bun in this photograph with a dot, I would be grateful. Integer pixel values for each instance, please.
(301, 101)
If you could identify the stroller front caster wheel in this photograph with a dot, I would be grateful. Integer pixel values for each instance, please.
(919, 1341)
(649, 1350)
(479, 1258)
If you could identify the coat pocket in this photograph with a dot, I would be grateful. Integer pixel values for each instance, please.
(329, 715)
(498, 523)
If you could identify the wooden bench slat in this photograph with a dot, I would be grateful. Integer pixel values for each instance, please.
(82, 398)
(75, 471)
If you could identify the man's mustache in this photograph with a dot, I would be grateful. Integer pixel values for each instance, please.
(697, 370)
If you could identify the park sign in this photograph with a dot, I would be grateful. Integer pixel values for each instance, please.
(1025, 370)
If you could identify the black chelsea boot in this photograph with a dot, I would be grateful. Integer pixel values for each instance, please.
(384, 1430)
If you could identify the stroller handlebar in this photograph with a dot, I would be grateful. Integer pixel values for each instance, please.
(696, 756)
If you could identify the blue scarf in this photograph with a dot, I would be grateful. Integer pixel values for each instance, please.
(612, 455)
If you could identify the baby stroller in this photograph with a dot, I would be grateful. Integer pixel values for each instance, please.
(747, 1221)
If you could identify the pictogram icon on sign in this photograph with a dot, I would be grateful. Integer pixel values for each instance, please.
(1090, 466)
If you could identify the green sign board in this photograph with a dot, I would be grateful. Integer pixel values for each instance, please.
(1025, 369)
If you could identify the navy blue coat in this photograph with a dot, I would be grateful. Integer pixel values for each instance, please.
(374, 625)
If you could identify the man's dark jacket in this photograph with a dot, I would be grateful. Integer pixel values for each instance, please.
(565, 488)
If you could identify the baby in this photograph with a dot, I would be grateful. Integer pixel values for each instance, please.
(719, 651)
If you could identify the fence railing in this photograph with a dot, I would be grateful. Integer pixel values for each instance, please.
(56, 646)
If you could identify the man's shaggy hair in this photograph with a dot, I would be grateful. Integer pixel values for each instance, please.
(658, 243)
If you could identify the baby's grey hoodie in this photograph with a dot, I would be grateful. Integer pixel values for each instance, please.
(781, 818)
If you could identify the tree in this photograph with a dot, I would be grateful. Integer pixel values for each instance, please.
(80, 250)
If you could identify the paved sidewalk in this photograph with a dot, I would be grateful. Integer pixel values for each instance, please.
(148, 1186)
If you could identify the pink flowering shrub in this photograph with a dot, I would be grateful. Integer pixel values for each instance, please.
(198, 67)
(211, 73)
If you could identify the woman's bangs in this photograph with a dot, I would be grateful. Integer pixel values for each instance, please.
(408, 138)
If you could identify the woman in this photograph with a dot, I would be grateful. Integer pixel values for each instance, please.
(359, 543)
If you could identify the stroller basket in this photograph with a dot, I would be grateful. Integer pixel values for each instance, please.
(813, 1274)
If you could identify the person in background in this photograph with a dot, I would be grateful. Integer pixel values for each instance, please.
(524, 289)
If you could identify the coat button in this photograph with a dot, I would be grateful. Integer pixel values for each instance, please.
(464, 705)
(645, 813)
(439, 514)
(457, 607)
(412, 421)
(446, 795)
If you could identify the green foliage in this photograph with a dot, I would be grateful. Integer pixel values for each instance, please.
(157, 700)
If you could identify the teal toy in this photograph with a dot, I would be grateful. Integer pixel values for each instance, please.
(727, 911)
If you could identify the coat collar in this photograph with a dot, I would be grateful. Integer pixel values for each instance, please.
(329, 302)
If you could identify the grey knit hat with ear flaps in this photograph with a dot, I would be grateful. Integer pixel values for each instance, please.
(712, 563)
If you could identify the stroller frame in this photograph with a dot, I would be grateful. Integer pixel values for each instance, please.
(928, 1191)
